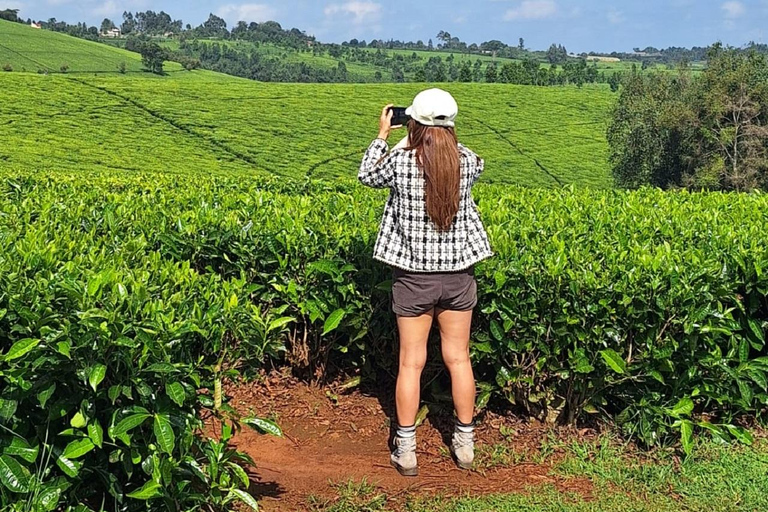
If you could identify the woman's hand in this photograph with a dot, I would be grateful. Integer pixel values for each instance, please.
(385, 122)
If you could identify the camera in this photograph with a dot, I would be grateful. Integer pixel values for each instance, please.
(399, 117)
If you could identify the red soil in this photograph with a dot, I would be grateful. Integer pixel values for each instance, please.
(330, 440)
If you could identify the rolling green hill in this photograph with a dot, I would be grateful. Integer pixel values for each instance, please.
(193, 121)
(28, 49)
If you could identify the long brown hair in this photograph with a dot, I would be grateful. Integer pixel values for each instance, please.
(437, 155)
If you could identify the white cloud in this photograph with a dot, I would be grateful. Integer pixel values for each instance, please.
(107, 9)
(246, 12)
(361, 12)
(734, 9)
(532, 10)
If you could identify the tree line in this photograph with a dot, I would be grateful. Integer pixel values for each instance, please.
(708, 131)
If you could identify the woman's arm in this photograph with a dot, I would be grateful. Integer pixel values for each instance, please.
(377, 169)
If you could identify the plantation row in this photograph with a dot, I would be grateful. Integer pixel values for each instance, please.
(202, 121)
(123, 299)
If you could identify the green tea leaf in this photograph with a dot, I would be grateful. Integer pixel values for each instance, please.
(166, 439)
(77, 449)
(78, 420)
(149, 490)
(13, 476)
(46, 394)
(683, 408)
(96, 374)
(263, 426)
(281, 322)
(741, 434)
(129, 423)
(333, 321)
(240, 474)
(7, 408)
(69, 467)
(496, 330)
(245, 498)
(96, 433)
(21, 448)
(21, 348)
(614, 361)
(175, 392)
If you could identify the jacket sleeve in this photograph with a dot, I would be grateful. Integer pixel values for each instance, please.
(377, 169)
(479, 168)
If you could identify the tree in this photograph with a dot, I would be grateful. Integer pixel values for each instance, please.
(615, 81)
(10, 15)
(491, 73)
(709, 130)
(557, 54)
(153, 57)
(106, 25)
(430, 46)
(465, 72)
(521, 45)
(129, 23)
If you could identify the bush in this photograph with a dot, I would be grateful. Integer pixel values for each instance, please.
(104, 358)
(64, 68)
(121, 68)
(7, 67)
(122, 299)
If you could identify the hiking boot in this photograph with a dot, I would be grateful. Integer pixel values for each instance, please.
(403, 457)
(463, 449)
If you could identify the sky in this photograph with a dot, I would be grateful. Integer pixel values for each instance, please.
(598, 25)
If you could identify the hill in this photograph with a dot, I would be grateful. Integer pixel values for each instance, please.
(200, 120)
(28, 49)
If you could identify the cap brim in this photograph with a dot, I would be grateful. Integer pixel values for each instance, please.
(409, 111)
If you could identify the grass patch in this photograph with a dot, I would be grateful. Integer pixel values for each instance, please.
(718, 478)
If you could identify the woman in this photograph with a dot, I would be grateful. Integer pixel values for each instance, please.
(432, 236)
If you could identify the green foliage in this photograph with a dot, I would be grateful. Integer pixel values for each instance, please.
(24, 47)
(646, 307)
(104, 358)
(153, 57)
(537, 137)
(705, 131)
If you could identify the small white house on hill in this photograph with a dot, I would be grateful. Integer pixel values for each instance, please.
(113, 32)
(36, 25)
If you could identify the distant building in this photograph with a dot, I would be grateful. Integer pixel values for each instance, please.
(169, 34)
(598, 58)
(36, 25)
(113, 32)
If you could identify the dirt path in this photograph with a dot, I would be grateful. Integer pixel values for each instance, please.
(332, 440)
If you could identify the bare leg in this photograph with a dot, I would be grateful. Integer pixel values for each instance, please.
(454, 338)
(414, 333)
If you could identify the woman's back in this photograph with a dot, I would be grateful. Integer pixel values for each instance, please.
(408, 237)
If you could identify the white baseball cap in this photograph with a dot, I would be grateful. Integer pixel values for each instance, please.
(434, 107)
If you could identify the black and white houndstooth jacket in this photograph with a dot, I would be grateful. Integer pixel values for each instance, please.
(407, 238)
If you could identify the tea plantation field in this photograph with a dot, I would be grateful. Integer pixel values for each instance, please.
(28, 49)
(193, 121)
(201, 121)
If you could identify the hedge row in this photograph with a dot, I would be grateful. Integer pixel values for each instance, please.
(121, 297)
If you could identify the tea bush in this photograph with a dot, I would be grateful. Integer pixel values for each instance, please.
(122, 299)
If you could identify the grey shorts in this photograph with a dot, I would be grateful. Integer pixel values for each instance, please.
(415, 293)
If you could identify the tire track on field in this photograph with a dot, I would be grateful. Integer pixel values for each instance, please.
(175, 124)
(27, 57)
(316, 166)
(517, 148)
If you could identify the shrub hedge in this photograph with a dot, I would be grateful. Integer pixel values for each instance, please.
(121, 298)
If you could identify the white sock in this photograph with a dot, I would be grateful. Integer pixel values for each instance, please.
(466, 428)
(406, 432)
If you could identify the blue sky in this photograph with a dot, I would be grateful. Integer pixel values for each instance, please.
(599, 25)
